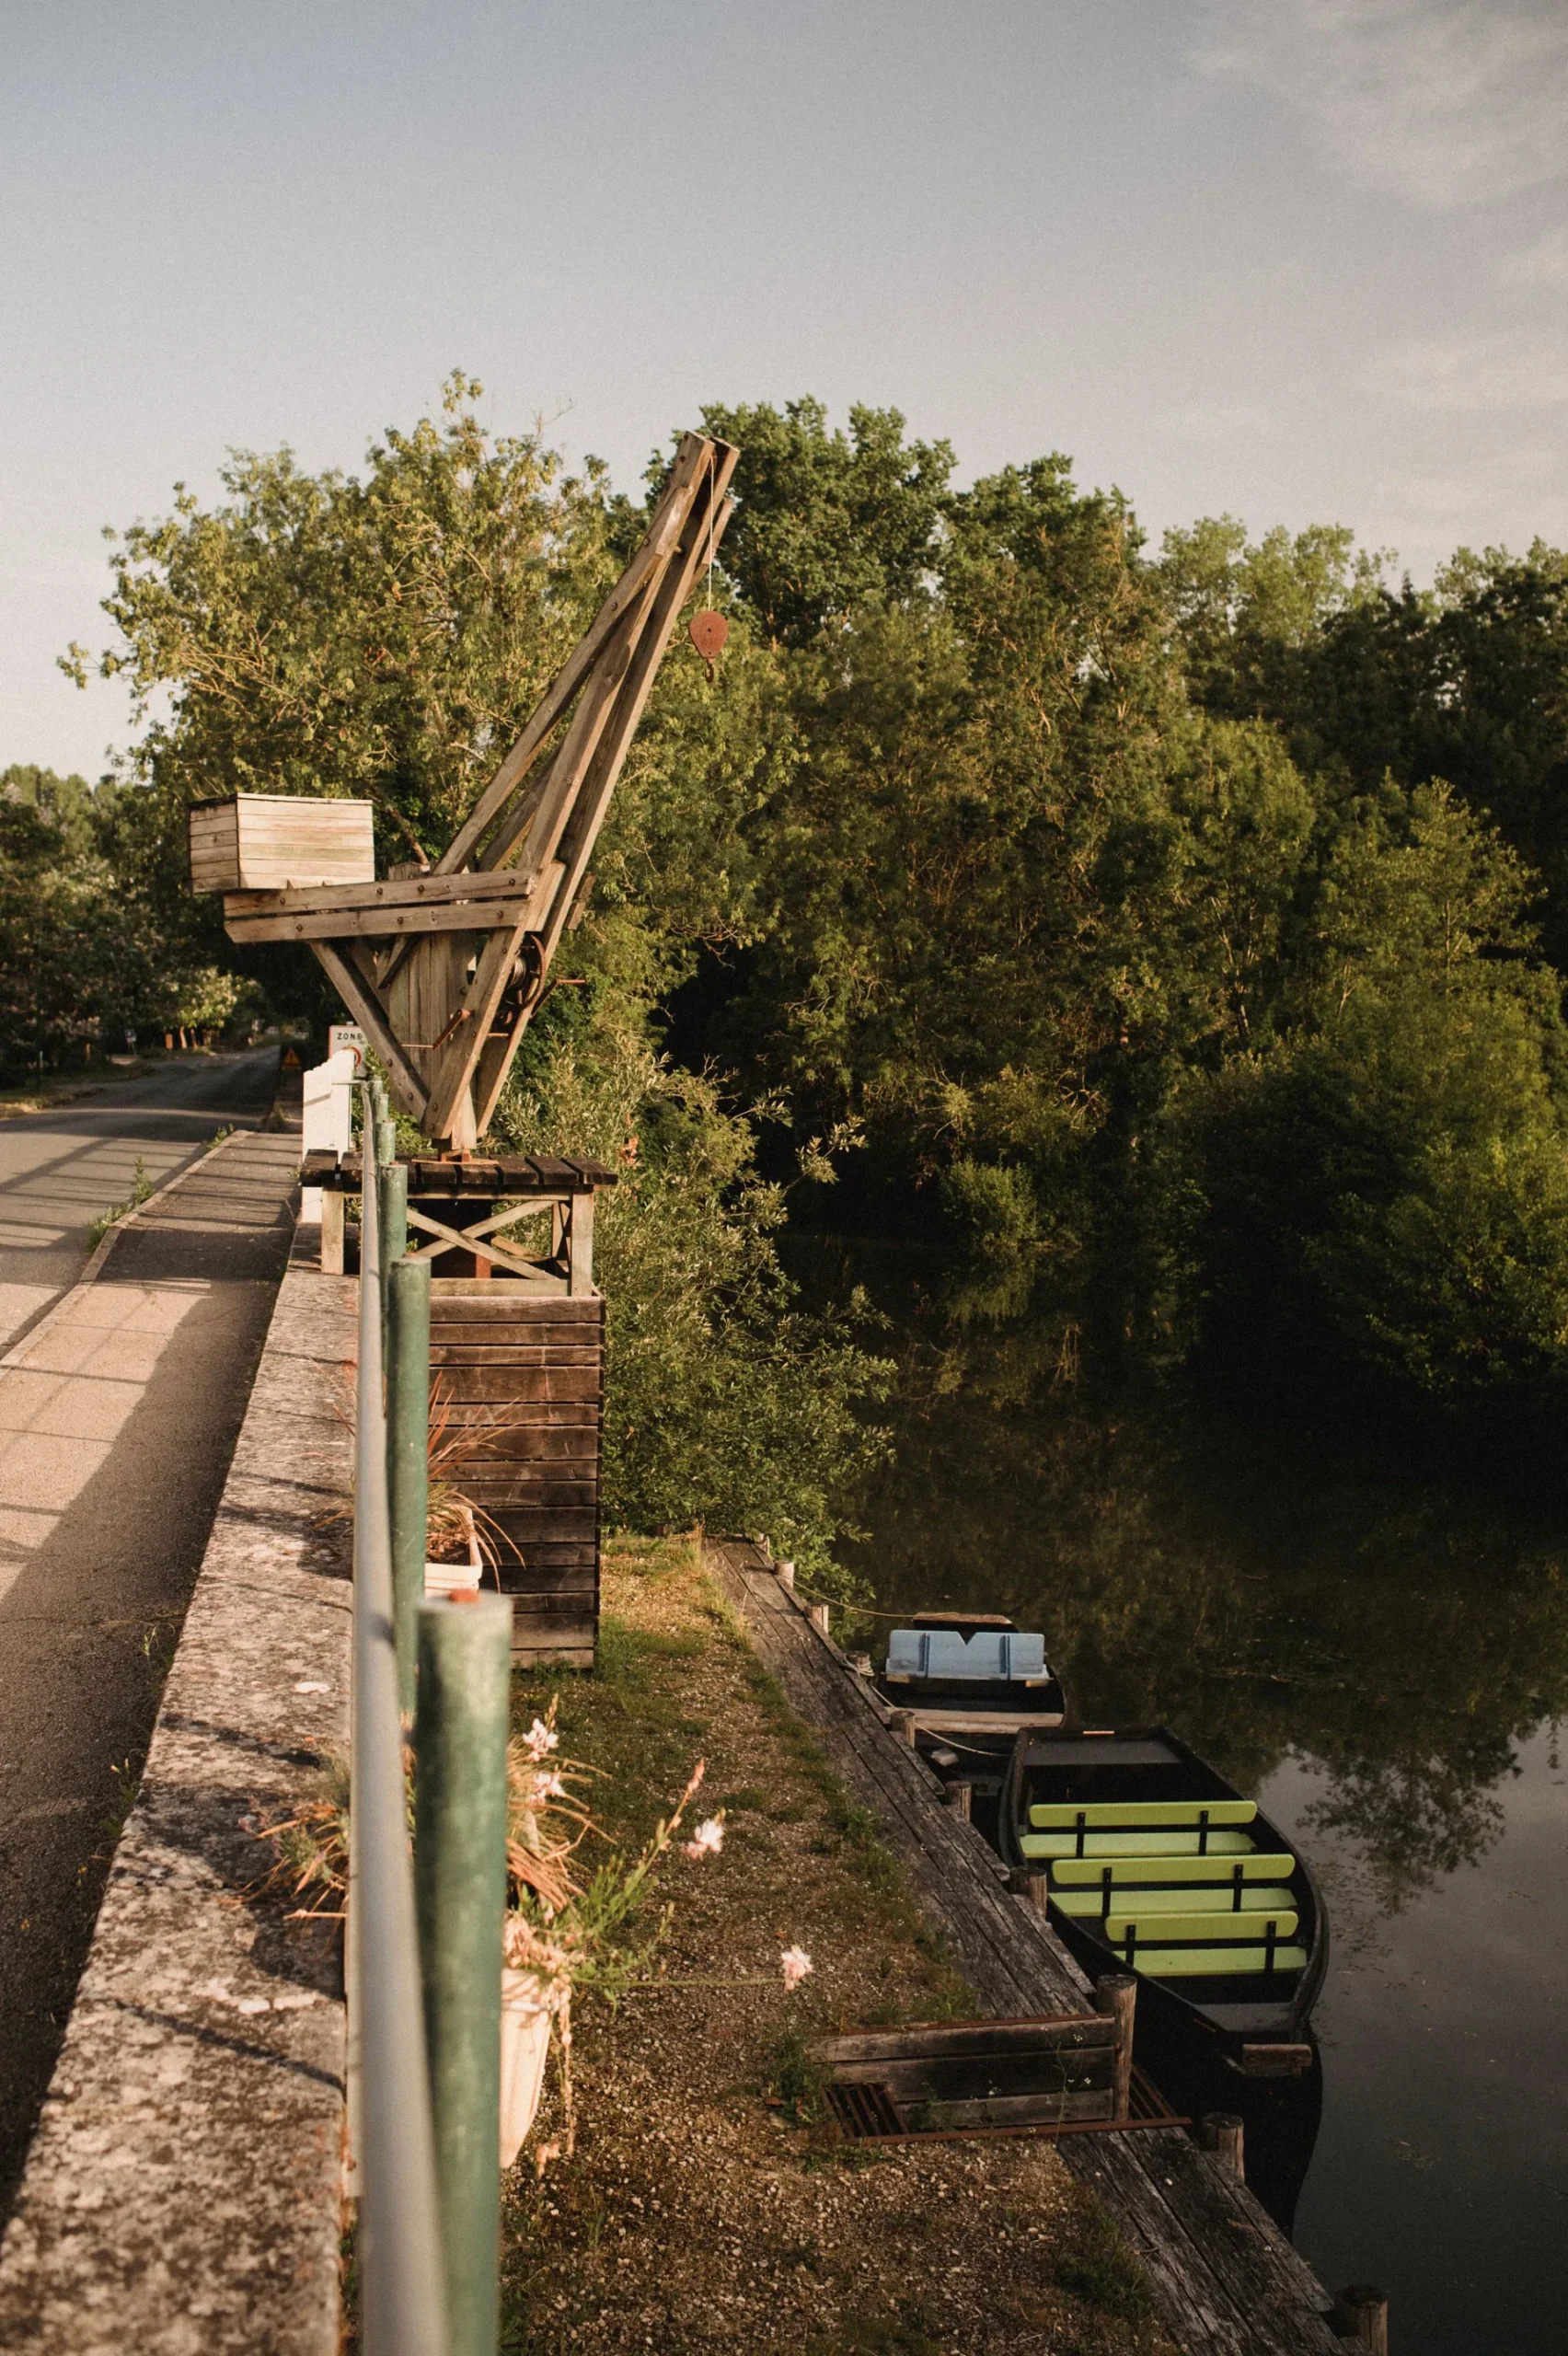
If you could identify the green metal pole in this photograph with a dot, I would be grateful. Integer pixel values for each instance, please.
(393, 1205)
(386, 1140)
(407, 1458)
(460, 1890)
(392, 1219)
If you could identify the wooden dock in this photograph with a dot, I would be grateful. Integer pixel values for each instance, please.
(1226, 2278)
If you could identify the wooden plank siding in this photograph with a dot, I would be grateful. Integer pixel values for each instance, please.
(264, 841)
(521, 1375)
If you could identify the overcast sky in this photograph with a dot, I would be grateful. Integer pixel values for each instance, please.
(1299, 260)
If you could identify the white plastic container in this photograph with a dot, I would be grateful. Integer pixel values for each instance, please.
(525, 2012)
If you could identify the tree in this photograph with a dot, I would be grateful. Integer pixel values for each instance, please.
(826, 524)
(1387, 1187)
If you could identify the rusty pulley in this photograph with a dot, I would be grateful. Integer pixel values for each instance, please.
(708, 631)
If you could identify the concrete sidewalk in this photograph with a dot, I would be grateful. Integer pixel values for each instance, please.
(118, 1419)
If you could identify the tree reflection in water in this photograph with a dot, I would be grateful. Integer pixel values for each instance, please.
(1265, 1594)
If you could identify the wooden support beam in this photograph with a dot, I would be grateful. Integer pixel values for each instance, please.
(671, 514)
(567, 771)
(580, 1248)
(449, 1109)
(485, 1246)
(390, 892)
(579, 836)
(368, 1012)
(378, 923)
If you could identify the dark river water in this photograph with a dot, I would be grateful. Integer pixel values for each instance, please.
(1379, 1657)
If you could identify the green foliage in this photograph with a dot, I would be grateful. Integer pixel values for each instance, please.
(1116, 905)
(1390, 1178)
(825, 523)
(1101, 2269)
(798, 2081)
(726, 1403)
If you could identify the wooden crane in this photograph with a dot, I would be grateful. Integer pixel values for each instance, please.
(444, 968)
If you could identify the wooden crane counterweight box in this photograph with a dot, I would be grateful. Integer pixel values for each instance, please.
(272, 842)
(520, 1375)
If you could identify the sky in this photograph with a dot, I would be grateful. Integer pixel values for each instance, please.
(1295, 261)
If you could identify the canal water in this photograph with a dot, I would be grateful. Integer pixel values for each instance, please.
(1383, 1659)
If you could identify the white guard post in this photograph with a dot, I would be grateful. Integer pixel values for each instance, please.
(329, 1120)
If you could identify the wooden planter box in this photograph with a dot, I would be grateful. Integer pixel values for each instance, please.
(524, 1370)
(265, 842)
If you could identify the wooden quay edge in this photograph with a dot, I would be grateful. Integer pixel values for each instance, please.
(184, 2188)
(1227, 2281)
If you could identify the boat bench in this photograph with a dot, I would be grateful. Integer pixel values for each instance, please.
(1137, 1827)
(1207, 1946)
(1219, 1883)
(1008, 1656)
(1176, 1887)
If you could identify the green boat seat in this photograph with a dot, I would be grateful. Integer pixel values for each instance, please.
(1128, 1931)
(1214, 1900)
(1215, 1963)
(1133, 1844)
(1197, 1824)
(1138, 1871)
(1056, 1816)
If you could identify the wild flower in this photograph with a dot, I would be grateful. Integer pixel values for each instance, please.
(796, 1963)
(540, 1739)
(564, 1932)
(707, 1839)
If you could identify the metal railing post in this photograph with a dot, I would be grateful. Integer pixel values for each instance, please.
(392, 1225)
(401, 2266)
(408, 1457)
(460, 1806)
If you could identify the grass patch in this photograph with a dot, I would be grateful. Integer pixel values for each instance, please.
(798, 2083)
(1100, 2270)
(142, 1187)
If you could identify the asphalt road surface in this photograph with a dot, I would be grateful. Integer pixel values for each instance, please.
(59, 1170)
(118, 1418)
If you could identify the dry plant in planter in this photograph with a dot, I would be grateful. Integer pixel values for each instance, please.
(457, 1531)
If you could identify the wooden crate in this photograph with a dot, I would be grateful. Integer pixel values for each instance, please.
(266, 842)
(521, 1370)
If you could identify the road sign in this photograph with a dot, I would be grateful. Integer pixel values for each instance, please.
(348, 1034)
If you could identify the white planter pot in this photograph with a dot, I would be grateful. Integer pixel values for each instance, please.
(445, 1578)
(525, 2042)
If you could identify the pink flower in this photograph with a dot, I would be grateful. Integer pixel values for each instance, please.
(550, 1787)
(796, 1963)
(708, 1840)
(540, 1739)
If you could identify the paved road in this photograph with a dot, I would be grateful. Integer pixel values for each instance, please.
(118, 1418)
(60, 1168)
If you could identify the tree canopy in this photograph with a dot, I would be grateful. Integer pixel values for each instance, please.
(1176, 933)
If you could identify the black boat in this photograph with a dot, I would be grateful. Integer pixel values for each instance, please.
(1155, 1864)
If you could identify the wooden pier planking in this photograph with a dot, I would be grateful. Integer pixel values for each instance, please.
(1227, 2280)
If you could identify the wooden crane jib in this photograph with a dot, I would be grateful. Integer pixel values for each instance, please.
(443, 968)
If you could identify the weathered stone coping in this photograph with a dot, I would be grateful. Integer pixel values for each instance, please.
(182, 2193)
